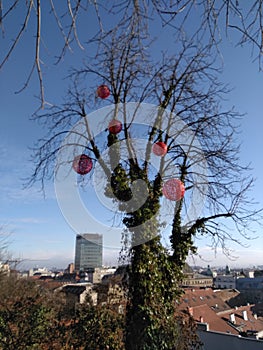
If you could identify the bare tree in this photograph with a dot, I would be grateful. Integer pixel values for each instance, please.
(205, 19)
(30, 315)
(186, 116)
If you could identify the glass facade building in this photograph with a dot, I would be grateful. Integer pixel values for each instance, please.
(88, 251)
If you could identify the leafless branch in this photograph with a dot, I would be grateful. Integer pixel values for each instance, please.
(245, 19)
(19, 35)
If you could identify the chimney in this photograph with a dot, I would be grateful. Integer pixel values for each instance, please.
(191, 311)
(244, 312)
(232, 318)
(201, 319)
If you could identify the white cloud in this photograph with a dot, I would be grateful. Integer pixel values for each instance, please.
(28, 220)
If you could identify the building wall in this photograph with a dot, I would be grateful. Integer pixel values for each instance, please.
(251, 289)
(88, 251)
(197, 280)
(93, 295)
(219, 341)
(250, 283)
(225, 282)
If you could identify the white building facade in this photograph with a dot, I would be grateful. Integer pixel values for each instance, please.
(225, 282)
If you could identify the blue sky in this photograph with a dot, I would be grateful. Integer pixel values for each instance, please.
(39, 234)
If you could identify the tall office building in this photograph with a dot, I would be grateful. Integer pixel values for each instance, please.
(88, 253)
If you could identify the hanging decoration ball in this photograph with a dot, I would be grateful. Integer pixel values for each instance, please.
(103, 91)
(82, 164)
(115, 126)
(160, 148)
(173, 189)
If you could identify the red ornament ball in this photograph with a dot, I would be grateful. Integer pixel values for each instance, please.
(115, 126)
(103, 91)
(160, 148)
(173, 189)
(82, 164)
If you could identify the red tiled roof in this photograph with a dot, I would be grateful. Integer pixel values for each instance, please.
(196, 297)
(203, 313)
(206, 305)
(251, 324)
